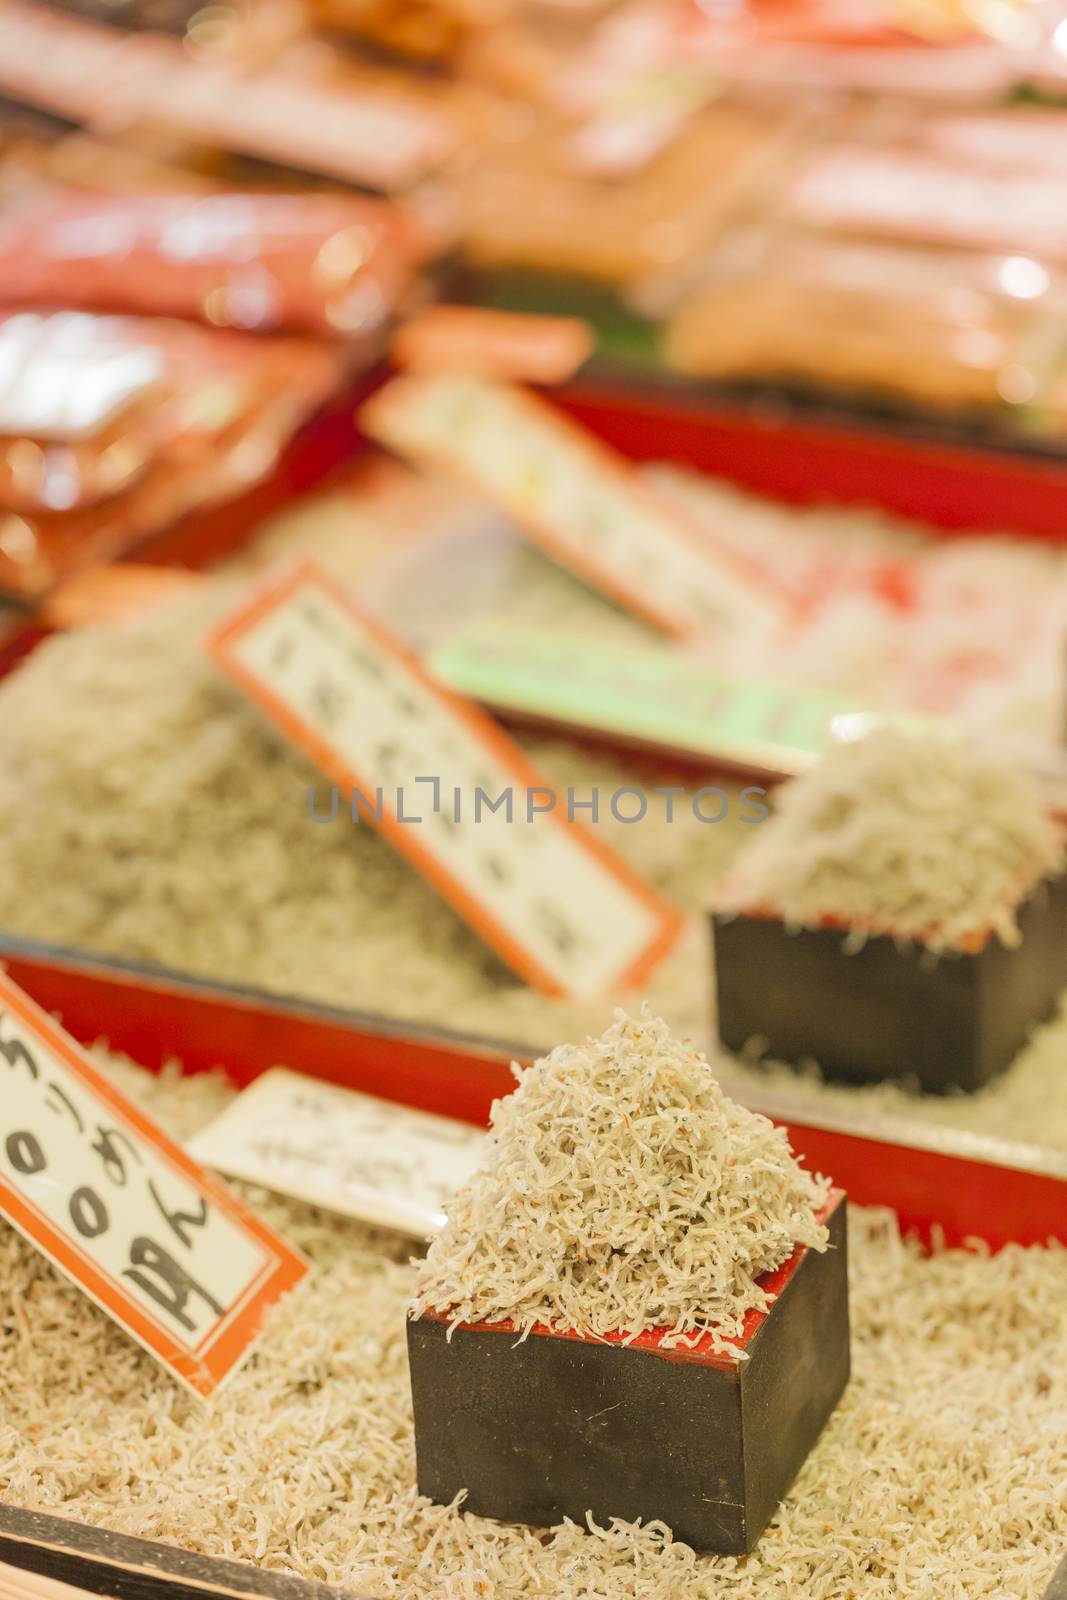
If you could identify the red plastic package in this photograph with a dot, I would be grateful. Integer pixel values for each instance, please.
(202, 414)
(78, 406)
(299, 262)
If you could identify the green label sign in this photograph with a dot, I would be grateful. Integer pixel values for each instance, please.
(663, 698)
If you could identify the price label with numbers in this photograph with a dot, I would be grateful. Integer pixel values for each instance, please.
(448, 789)
(158, 1243)
(585, 505)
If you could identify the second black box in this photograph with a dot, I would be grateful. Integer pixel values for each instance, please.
(890, 1009)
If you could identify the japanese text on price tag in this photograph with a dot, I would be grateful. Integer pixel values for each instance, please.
(585, 505)
(155, 1241)
(441, 781)
(349, 1152)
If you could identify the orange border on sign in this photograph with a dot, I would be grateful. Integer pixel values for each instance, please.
(333, 766)
(222, 1349)
(374, 416)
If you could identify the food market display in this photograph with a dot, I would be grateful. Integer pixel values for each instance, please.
(533, 714)
(953, 1413)
(850, 204)
(180, 766)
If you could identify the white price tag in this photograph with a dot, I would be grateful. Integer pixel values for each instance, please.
(585, 505)
(348, 1152)
(446, 786)
(117, 1206)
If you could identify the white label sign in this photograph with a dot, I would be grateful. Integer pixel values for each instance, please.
(158, 1243)
(585, 505)
(447, 788)
(348, 1152)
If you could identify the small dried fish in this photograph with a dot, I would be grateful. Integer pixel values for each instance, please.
(576, 1222)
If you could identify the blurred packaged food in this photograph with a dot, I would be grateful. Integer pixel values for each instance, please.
(944, 329)
(497, 344)
(304, 111)
(157, 16)
(302, 263)
(525, 202)
(112, 427)
(901, 193)
(423, 29)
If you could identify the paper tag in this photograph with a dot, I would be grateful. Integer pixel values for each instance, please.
(160, 1245)
(584, 504)
(663, 699)
(447, 788)
(347, 1152)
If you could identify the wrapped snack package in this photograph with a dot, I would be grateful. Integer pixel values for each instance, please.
(891, 192)
(370, 129)
(304, 111)
(302, 262)
(249, 29)
(620, 77)
(1004, 139)
(1033, 141)
(129, 165)
(79, 403)
(526, 202)
(423, 29)
(116, 592)
(943, 330)
(154, 16)
(112, 427)
(527, 54)
(921, 49)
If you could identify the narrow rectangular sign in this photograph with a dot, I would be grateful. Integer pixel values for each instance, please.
(662, 698)
(447, 788)
(352, 1153)
(585, 505)
(158, 1243)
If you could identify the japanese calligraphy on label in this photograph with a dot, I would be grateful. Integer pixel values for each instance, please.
(348, 1152)
(160, 1245)
(441, 781)
(586, 506)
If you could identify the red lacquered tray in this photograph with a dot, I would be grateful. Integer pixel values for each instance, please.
(956, 487)
(937, 1180)
(704, 1352)
(964, 1184)
(960, 1185)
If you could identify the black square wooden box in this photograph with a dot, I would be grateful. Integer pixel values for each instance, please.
(888, 1010)
(557, 1426)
